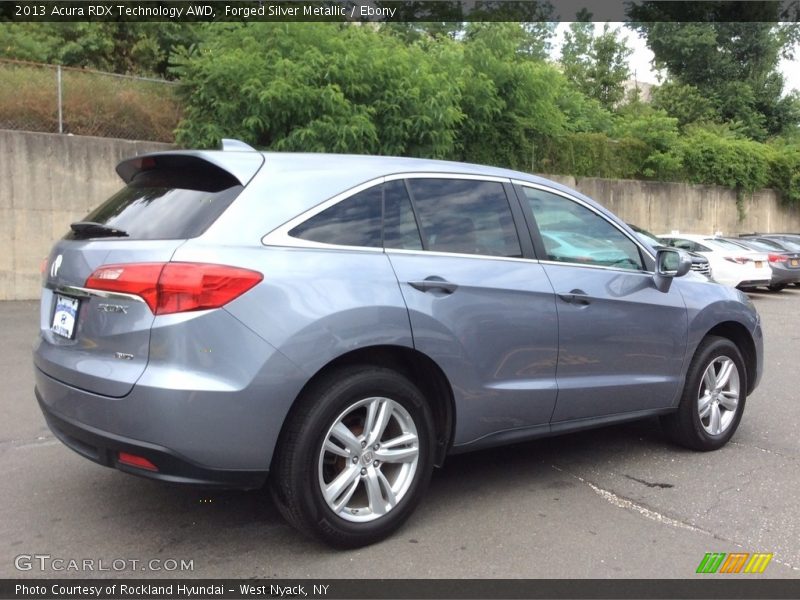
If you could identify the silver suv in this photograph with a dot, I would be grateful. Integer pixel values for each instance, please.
(343, 323)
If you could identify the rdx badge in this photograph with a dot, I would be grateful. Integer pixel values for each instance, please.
(112, 308)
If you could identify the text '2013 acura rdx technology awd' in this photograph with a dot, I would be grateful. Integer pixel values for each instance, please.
(338, 325)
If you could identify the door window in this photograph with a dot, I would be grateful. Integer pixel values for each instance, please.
(399, 224)
(574, 234)
(465, 216)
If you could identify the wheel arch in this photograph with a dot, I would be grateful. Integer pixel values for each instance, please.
(419, 368)
(739, 335)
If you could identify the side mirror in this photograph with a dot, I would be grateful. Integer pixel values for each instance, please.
(670, 263)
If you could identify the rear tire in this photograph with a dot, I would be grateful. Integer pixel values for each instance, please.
(713, 397)
(355, 456)
(776, 287)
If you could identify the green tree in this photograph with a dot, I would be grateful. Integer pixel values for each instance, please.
(318, 87)
(510, 102)
(684, 102)
(659, 155)
(597, 65)
(733, 64)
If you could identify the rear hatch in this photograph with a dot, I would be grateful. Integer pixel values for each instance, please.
(100, 340)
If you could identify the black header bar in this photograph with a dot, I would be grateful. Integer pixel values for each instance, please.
(396, 11)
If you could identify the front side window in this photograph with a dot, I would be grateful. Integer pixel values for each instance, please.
(572, 233)
(355, 221)
(465, 216)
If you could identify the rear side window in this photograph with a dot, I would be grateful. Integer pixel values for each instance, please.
(465, 216)
(355, 221)
(165, 204)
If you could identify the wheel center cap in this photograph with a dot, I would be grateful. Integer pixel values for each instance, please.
(367, 457)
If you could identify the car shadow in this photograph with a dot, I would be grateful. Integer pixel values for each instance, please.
(227, 522)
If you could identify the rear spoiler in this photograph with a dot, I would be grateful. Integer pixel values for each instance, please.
(242, 166)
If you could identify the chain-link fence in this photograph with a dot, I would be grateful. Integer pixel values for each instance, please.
(56, 99)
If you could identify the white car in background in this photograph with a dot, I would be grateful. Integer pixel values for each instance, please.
(731, 264)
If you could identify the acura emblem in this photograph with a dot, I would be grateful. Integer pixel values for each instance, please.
(56, 265)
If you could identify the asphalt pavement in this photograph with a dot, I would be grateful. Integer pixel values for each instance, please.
(609, 503)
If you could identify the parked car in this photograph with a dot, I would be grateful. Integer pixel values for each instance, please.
(785, 263)
(340, 324)
(787, 241)
(793, 238)
(731, 264)
(700, 263)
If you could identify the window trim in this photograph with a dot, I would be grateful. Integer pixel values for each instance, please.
(280, 235)
(461, 255)
(538, 243)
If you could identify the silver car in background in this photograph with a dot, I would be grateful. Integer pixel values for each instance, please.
(337, 325)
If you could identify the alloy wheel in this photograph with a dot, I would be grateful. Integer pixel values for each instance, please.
(368, 459)
(718, 397)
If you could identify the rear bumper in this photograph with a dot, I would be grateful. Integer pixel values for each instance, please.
(213, 394)
(752, 283)
(783, 275)
(103, 448)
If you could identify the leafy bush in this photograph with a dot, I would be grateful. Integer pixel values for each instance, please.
(785, 170)
(319, 87)
(709, 157)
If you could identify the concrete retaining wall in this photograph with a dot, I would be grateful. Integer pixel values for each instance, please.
(48, 181)
(705, 209)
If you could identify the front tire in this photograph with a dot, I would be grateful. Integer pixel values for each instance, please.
(713, 398)
(776, 287)
(355, 457)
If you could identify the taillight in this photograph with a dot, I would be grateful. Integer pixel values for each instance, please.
(774, 258)
(43, 270)
(175, 286)
(191, 286)
(741, 260)
(139, 279)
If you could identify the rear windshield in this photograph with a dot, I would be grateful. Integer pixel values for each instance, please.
(166, 204)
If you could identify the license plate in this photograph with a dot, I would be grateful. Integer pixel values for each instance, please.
(65, 316)
(759, 264)
(794, 262)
